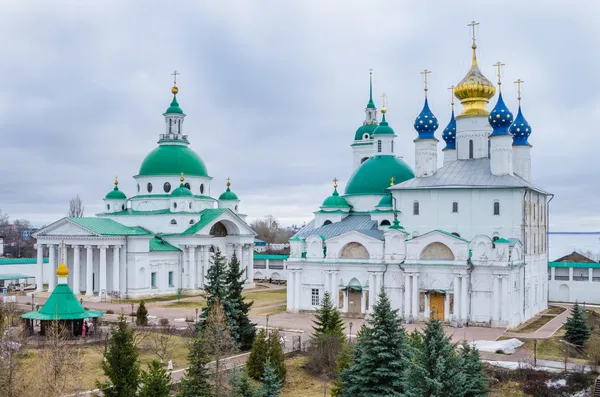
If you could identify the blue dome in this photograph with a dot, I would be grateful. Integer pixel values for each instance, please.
(500, 118)
(383, 128)
(449, 133)
(520, 130)
(426, 123)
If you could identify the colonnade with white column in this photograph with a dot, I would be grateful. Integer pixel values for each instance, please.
(500, 299)
(375, 285)
(411, 296)
(461, 289)
(293, 291)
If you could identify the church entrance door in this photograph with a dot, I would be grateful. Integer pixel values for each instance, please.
(354, 298)
(436, 305)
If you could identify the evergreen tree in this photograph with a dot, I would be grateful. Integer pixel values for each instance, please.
(271, 381)
(241, 385)
(215, 286)
(276, 357)
(435, 370)
(156, 382)
(577, 329)
(258, 356)
(344, 361)
(121, 363)
(195, 382)
(236, 307)
(475, 384)
(328, 320)
(380, 356)
(141, 315)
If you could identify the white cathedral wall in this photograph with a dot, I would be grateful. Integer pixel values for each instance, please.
(158, 183)
(363, 203)
(476, 129)
(141, 265)
(360, 151)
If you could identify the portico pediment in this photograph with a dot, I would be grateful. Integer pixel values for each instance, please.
(437, 246)
(220, 222)
(65, 227)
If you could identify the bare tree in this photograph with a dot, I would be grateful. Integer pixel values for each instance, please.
(162, 343)
(11, 352)
(218, 342)
(270, 231)
(76, 207)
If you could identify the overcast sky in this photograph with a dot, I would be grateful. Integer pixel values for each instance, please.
(274, 91)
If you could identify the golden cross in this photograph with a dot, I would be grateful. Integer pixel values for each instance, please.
(370, 71)
(174, 74)
(62, 253)
(499, 66)
(116, 180)
(473, 24)
(228, 182)
(425, 73)
(383, 96)
(392, 181)
(518, 83)
(335, 185)
(451, 88)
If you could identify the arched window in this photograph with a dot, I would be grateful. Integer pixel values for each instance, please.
(149, 187)
(202, 188)
(470, 148)
(190, 205)
(179, 126)
(489, 149)
(173, 222)
(416, 208)
(191, 221)
(218, 230)
(174, 205)
(170, 124)
(494, 239)
(455, 234)
(496, 208)
(187, 185)
(366, 136)
(167, 187)
(123, 207)
(354, 251)
(108, 207)
(211, 249)
(392, 146)
(236, 208)
(455, 207)
(385, 222)
(379, 146)
(363, 159)
(138, 187)
(327, 222)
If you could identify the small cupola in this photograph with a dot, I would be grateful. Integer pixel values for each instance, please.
(500, 118)
(115, 200)
(174, 118)
(335, 201)
(426, 123)
(383, 135)
(520, 128)
(229, 199)
(449, 134)
(182, 198)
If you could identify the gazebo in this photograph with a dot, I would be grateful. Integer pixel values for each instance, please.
(61, 306)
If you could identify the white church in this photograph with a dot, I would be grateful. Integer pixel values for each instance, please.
(157, 241)
(464, 243)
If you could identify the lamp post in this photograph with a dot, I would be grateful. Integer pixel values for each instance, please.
(267, 325)
(196, 314)
(32, 302)
(132, 315)
(350, 334)
(535, 352)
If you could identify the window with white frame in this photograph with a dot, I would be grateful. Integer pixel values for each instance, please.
(315, 297)
(416, 208)
(153, 279)
(171, 279)
(455, 207)
(496, 208)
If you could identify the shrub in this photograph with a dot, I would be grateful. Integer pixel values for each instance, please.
(164, 322)
(500, 351)
(109, 311)
(141, 315)
(323, 354)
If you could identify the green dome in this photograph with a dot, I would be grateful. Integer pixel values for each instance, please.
(386, 201)
(364, 129)
(173, 160)
(116, 194)
(228, 195)
(174, 107)
(373, 176)
(335, 201)
(181, 191)
(383, 128)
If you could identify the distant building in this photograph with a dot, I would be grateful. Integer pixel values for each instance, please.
(1, 246)
(270, 267)
(574, 278)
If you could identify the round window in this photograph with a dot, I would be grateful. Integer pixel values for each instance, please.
(366, 136)
(149, 187)
(167, 187)
(174, 205)
(187, 185)
(108, 207)
(202, 188)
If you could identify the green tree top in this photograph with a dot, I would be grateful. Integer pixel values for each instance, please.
(577, 328)
(156, 382)
(327, 319)
(236, 307)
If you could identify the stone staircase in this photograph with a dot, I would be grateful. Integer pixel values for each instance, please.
(596, 392)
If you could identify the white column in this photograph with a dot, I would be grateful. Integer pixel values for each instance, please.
(427, 310)
(290, 290)
(297, 293)
(552, 272)
(89, 270)
(363, 300)
(345, 310)
(505, 302)
(201, 266)
(76, 270)
(407, 282)
(334, 290)
(463, 298)
(186, 268)
(39, 281)
(415, 296)
(123, 270)
(116, 287)
(250, 263)
(456, 297)
(495, 298)
(379, 277)
(102, 278)
(570, 274)
(590, 277)
(52, 260)
(372, 294)
(193, 270)
(447, 306)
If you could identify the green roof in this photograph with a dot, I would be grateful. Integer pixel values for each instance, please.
(271, 257)
(160, 245)
(386, 201)
(206, 217)
(173, 160)
(373, 176)
(440, 231)
(502, 241)
(164, 211)
(335, 201)
(116, 194)
(383, 128)
(174, 107)
(14, 276)
(181, 191)
(579, 265)
(396, 225)
(20, 261)
(365, 129)
(108, 227)
(228, 195)
(62, 305)
(166, 197)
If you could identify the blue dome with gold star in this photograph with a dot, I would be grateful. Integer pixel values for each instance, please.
(426, 123)
(500, 118)
(520, 130)
(449, 133)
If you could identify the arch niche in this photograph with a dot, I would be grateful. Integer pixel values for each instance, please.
(437, 251)
(354, 250)
(223, 228)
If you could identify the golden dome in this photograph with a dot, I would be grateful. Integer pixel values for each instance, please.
(474, 91)
(62, 270)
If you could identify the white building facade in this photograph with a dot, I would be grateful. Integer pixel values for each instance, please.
(465, 243)
(157, 241)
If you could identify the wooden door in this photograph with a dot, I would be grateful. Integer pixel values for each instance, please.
(436, 306)
(354, 298)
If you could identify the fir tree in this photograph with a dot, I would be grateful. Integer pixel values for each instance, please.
(215, 286)
(195, 382)
(380, 356)
(241, 386)
(577, 329)
(344, 361)
(141, 315)
(271, 381)
(156, 382)
(328, 320)
(435, 369)
(276, 357)
(258, 356)
(236, 307)
(121, 363)
(475, 383)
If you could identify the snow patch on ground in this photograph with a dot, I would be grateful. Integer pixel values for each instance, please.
(515, 365)
(556, 383)
(492, 346)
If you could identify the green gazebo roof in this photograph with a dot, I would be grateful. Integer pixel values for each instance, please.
(62, 305)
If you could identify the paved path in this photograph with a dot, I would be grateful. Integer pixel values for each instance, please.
(548, 329)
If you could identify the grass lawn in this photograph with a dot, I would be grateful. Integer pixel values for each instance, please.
(508, 389)
(534, 325)
(267, 298)
(555, 310)
(272, 311)
(187, 304)
(299, 383)
(162, 298)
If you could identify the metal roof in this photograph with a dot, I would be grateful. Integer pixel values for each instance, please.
(62, 305)
(473, 173)
(360, 223)
(20, 261)
(580, 265)
(14, 276)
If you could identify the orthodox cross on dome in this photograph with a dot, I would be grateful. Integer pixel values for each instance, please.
(473, 24)
(335, 181)
(425, 73)
(392, 181)
(174, 74)
(518, 83)
(451, 88)
(499, 66)
(228, 182)
(383, 108)
(181, 178)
